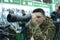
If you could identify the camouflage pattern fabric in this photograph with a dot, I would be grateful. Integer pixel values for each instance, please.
(45, 31)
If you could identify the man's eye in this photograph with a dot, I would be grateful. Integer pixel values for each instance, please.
(38, 16)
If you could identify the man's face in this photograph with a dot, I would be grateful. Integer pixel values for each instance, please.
(11, 12)
(23, 11)
(38, 17)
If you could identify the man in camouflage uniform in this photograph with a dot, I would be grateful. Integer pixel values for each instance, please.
(40, 26)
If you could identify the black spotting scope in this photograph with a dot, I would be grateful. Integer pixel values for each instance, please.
(17, 18)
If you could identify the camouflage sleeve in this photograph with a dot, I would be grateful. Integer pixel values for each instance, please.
(36, 32)
(51, 30)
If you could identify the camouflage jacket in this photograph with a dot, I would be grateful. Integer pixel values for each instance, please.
(45, 31)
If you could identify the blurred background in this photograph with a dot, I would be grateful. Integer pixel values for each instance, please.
(28, 6)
